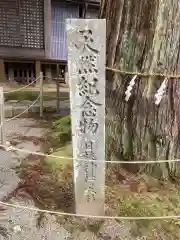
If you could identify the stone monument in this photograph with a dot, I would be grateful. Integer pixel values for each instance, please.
(86, 41)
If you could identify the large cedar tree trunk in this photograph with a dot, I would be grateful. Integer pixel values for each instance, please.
(143, 36)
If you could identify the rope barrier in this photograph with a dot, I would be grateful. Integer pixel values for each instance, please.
(22, 88)
(90, 160)
(68, 158)
(88, 216)
(10, 119)
(141, 74)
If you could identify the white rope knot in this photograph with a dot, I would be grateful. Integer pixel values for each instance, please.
(161, 91)
(129, 88)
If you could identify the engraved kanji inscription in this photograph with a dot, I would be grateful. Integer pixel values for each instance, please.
(88, 40)
(88, 62)
(89, 107)
(90, 192)
(87, 88)
(88, 125)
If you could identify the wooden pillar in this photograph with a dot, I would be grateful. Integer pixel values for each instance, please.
(11, 73)
(38, 68)
(23, 76)
(66, 75)
(27, 76)
(41, 95)
(38, 72)
(2, 130)
(18, 75)
(32, 75)
(2, 71)
(48, 73)
(57, 86)
(85, 10)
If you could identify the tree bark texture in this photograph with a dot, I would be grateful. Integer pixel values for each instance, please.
(143, 36)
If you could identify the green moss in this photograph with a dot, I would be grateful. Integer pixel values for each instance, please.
(63, 124)
(55, 163)
(152, 205)
(61, 130)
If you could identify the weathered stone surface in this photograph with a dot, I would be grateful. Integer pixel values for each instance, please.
(13, 101)
(35, 109)
(22, 224)
(8, 182)
(30, 122)
(34, 131)
(7, 160)
(16, 126)
(8, 113)
(20, 110)
(86, 66)
(25, 102)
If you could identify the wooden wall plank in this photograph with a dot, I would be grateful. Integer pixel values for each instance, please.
(22, 53)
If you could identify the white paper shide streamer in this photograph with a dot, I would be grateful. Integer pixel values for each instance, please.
(161, 91)
(130, 87)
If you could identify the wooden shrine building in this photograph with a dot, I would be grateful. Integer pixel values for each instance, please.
(33, 38)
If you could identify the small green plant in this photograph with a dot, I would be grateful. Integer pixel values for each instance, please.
(32, 96)
(62, 129)
(21, 96)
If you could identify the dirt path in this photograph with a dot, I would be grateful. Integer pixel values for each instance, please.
(17, 223)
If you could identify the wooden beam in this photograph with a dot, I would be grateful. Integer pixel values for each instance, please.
(23, 53)
(17, 61)
(2, 71)
(48, 73)
(47, 28)
(52, 62)
(90, 2)
(66, 75)
(11, 72)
